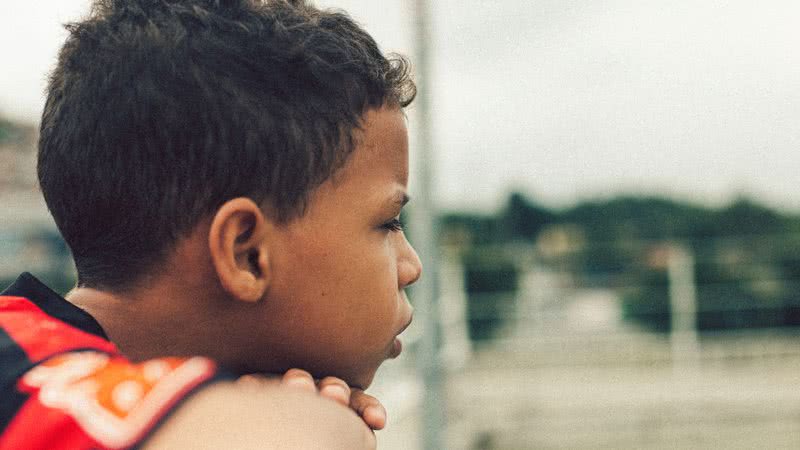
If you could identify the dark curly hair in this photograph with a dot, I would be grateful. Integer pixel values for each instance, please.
(159, 111)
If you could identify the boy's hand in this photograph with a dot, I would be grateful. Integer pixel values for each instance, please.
(366, 406)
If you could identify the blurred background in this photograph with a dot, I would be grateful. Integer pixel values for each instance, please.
(605, 197)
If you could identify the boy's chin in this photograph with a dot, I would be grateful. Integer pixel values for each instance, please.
(360, 380)
(363, 384)
(357, 379)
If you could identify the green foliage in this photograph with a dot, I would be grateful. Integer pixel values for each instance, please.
(645, 218)
(6, 131)
(523, 219)
(762, 247)
(745, 217)
(726, 299)
(482, 230)
(648, 303)
(491, 287)
(10, 131)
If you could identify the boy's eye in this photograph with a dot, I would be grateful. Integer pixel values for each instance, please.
(394, 225)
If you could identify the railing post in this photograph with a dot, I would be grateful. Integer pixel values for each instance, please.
(424, 230)
(456, 346)
(683, 307)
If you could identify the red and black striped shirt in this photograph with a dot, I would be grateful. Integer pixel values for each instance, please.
(64, 385)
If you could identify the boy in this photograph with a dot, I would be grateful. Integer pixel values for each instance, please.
(229, 176)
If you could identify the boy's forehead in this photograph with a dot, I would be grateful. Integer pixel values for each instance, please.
(384, 142)
(376, 173)
(381, 150)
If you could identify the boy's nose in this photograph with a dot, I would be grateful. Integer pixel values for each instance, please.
(409, 267)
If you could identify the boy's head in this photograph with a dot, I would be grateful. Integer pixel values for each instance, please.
(159, 111)
(269, 132)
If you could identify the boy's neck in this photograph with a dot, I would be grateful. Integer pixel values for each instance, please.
(131, 322)
(167, 313)
(166, 318)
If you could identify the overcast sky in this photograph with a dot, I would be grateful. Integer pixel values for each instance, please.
(563, 99)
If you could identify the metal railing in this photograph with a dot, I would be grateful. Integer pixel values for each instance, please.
(563, 364)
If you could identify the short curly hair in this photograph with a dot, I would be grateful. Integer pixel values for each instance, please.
(159, 111)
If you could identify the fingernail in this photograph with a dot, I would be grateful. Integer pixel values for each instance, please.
(378, 414)
(335, 389)
(298, 382)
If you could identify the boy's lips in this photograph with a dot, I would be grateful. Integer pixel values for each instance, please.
(408, 322)
(397, 344)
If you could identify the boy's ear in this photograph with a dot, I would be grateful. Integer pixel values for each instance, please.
(237, 241)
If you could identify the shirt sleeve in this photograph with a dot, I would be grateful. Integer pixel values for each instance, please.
(90, 399)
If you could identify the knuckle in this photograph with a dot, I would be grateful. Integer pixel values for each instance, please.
(298, 378)
(366, 399)
(334, 381)
(297, 373)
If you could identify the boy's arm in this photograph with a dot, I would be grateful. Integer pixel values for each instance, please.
(366, 406)
(227, 415)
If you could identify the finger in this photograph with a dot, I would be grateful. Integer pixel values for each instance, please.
(335, 389)
(299, 379)
(369, 408)
(255, 380)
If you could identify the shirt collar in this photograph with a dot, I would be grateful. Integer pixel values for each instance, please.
(53, 304)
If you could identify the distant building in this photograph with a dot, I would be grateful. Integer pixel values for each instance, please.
(28, 237)
(17, 157)
(21, 202)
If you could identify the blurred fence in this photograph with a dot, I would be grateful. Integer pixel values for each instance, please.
(686, 345)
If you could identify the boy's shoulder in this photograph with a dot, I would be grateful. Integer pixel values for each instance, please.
(63, 381)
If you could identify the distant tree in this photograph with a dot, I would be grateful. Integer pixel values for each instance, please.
(648, 218)
(6, 130)
(748, 274)
(491, 285)
(482, 229)
(745, 217)
(522, 219)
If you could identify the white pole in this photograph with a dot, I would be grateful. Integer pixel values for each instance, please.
(456, 346)
(683, 307)
(425, 239)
